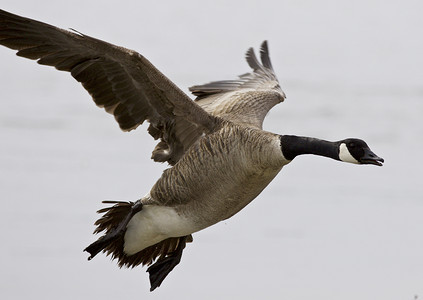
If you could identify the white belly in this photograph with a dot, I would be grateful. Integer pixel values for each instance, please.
(154, 224)
(204, 196)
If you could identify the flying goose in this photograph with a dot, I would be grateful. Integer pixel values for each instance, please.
(220, 157)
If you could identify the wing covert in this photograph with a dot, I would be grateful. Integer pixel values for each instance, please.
(121, 81)
(245, 100)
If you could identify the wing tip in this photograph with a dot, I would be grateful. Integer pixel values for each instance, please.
(265, 55)
(251, 58)
(254, 63)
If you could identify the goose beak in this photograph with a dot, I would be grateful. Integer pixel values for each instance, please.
(369, 158)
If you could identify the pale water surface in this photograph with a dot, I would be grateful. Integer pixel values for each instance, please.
(321, 230)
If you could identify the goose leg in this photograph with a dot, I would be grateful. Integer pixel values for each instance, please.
(114, 233)
(162, 267)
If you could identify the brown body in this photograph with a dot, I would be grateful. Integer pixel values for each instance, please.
(220, 157)
(200, 188)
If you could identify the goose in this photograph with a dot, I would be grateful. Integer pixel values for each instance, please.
(219, 157)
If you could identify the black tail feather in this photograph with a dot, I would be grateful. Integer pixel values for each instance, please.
(162, 257)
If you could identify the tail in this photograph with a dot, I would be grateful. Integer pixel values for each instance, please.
(113, 223)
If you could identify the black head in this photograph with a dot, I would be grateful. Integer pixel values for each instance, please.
(358, 152)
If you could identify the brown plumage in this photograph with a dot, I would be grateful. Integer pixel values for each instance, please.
(221, 158)
(221, 128)
(121, 81)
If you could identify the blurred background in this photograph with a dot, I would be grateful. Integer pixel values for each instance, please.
(321, 230)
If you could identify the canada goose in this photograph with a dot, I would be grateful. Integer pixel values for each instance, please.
(221, 158)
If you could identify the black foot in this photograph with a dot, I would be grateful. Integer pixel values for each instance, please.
(114, 233)
(162, 267)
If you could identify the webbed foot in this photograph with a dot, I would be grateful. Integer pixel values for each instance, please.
(163, 266)
(108, 222)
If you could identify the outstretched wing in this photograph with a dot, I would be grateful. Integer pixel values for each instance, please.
(121, 81)
(246, 100)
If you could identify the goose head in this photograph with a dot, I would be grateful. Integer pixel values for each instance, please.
(356, 151)
(350, 150)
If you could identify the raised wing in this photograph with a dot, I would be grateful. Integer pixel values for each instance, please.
(121, 81)
(246, 100)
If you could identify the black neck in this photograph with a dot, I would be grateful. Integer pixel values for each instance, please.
(297, 145)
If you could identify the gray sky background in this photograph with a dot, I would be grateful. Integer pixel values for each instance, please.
(321, 230)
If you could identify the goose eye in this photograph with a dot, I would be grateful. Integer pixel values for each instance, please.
(351, 145)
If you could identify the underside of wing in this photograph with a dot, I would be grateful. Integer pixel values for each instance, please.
(247, 99)
(121, 81)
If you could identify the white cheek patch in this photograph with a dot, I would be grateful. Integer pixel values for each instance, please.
(345, 155)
